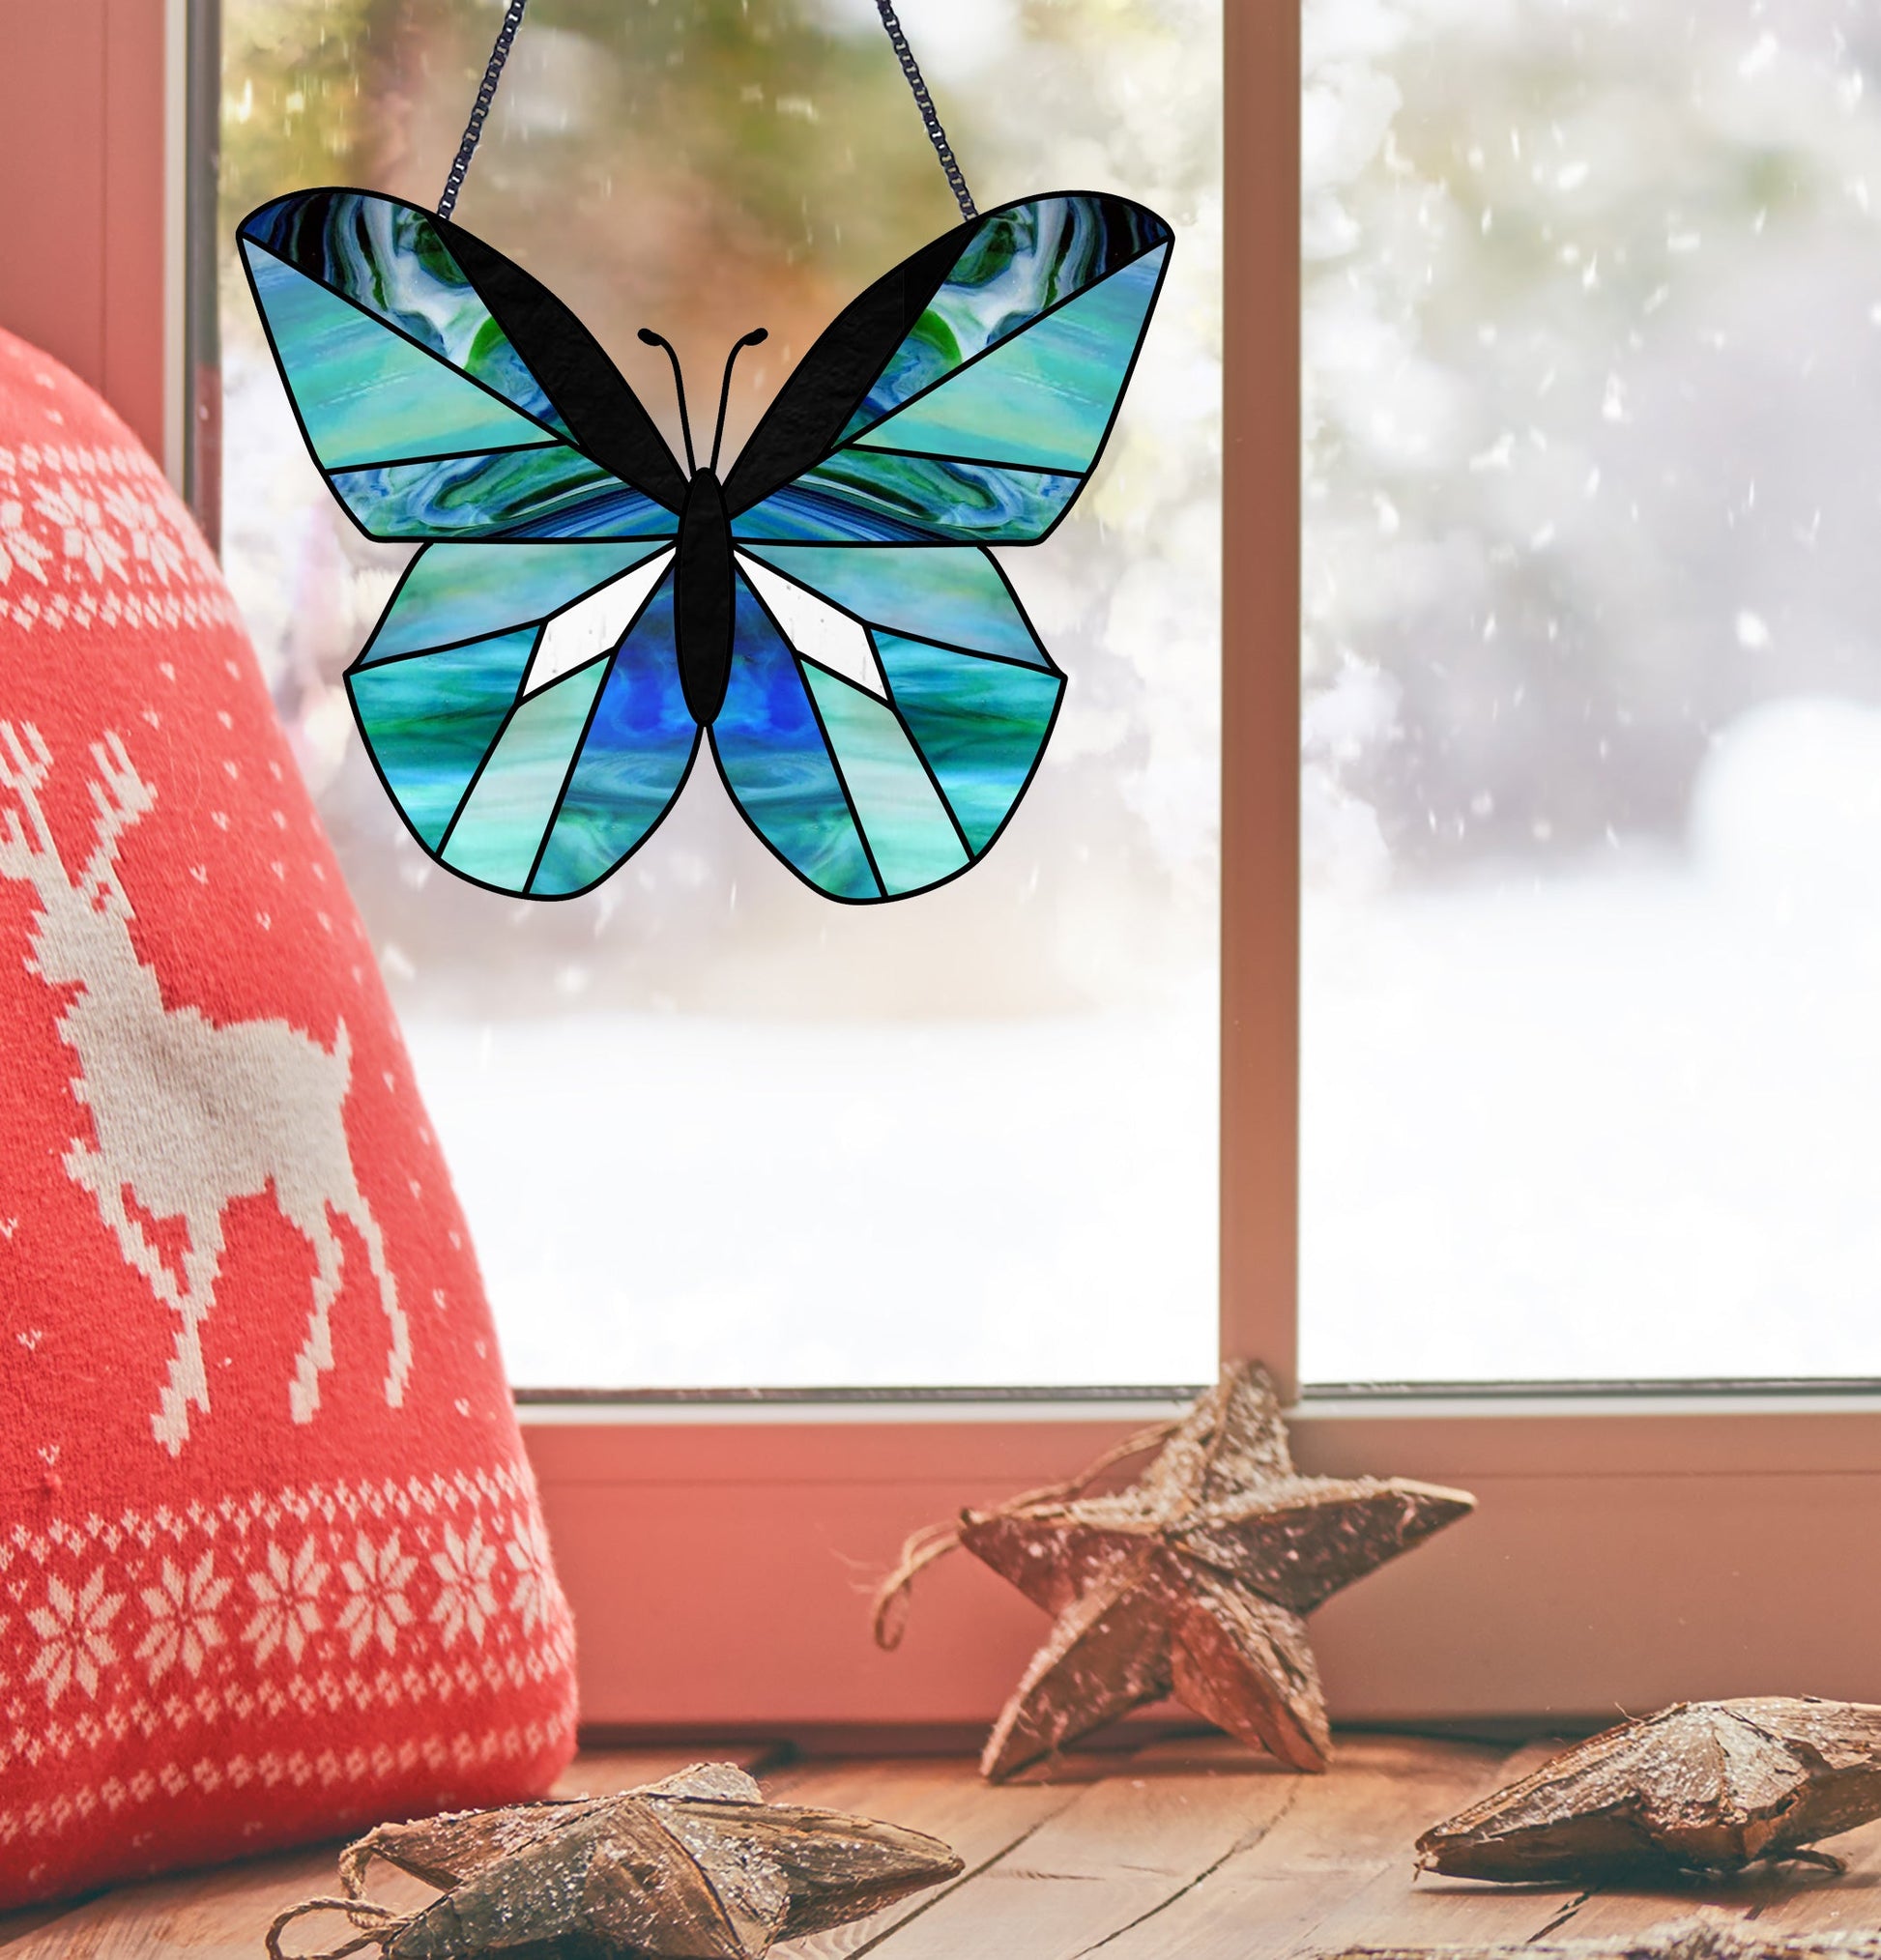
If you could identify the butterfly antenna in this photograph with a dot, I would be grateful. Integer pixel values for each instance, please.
(653, 339)
(751, 339)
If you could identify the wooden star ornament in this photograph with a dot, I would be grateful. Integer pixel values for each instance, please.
(1708, 1786)
(1193, 1581)
(696, 1867)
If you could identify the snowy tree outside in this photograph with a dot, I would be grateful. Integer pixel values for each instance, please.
(1592, 744)
(710, 1130)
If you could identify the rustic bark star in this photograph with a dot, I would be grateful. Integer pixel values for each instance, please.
(1700, 1786)
(697, 1868)
(1193, 1581)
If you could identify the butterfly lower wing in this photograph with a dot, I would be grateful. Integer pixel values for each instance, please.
(966, 397)
(523, 708)
(443, 393)
(886, 711)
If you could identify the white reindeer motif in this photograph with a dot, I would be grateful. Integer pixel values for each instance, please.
(188, 1115)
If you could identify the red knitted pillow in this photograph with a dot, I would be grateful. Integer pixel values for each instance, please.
(270, 1561)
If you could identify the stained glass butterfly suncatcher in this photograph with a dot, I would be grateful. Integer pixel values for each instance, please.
(585, 612)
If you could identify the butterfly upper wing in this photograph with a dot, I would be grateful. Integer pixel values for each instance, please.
(888, 700)
(443, 392)
(965, 397)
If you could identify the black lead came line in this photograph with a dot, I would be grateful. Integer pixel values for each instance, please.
(910, 69)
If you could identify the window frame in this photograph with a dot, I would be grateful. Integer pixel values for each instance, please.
(92, 257)
(1628, 1548)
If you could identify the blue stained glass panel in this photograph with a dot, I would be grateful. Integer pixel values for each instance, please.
(429, 720)
(979, 723)
(1018, 262)
(879, 497)
(631, 764)
(499, 829)
(776, 765)
(1046, 395)
(953, 596)
(550, 492)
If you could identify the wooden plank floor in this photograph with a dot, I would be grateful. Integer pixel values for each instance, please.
(1182, 1851)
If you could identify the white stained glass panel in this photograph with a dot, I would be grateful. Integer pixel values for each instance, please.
(709, 1129)
(1592, 745)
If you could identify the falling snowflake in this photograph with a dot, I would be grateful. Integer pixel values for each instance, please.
(151, 541)
(466, 1598)
(183, 1617)
(285, 1611)
(536, 1591)
(83, 524)
(73, 1643)
(18, 548)
(377, 1581)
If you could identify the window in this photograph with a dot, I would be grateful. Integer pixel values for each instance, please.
(1592, 737)
(711, 1130)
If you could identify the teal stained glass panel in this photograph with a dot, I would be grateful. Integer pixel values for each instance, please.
(904, 823)
(380, 398)
(429, 720)
(877, 496)
(1045, 396)
(1021, 261)
(500, 830)
(981, 725)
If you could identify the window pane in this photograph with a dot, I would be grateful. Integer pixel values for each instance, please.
(711, 1129)
(1592, 745)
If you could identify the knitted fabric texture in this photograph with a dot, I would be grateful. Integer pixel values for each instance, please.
(271, 1566)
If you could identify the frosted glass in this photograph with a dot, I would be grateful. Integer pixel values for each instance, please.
(1592, 742)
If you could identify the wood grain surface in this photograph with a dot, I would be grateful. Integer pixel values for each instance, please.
(1183, 1850)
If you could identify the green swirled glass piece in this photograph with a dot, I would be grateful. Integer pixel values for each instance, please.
(1020, 262)
(389, 259)
(1044, 397)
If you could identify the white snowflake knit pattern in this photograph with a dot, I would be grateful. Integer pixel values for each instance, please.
(87, 535)
(168, 1625)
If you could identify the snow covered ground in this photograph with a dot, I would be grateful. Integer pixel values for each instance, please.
(1623, 1122)
(1620, 1121)
(671, 1200)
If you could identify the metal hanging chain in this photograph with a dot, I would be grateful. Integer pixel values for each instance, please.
(910, 66)
(473, 128)
(924, 102)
